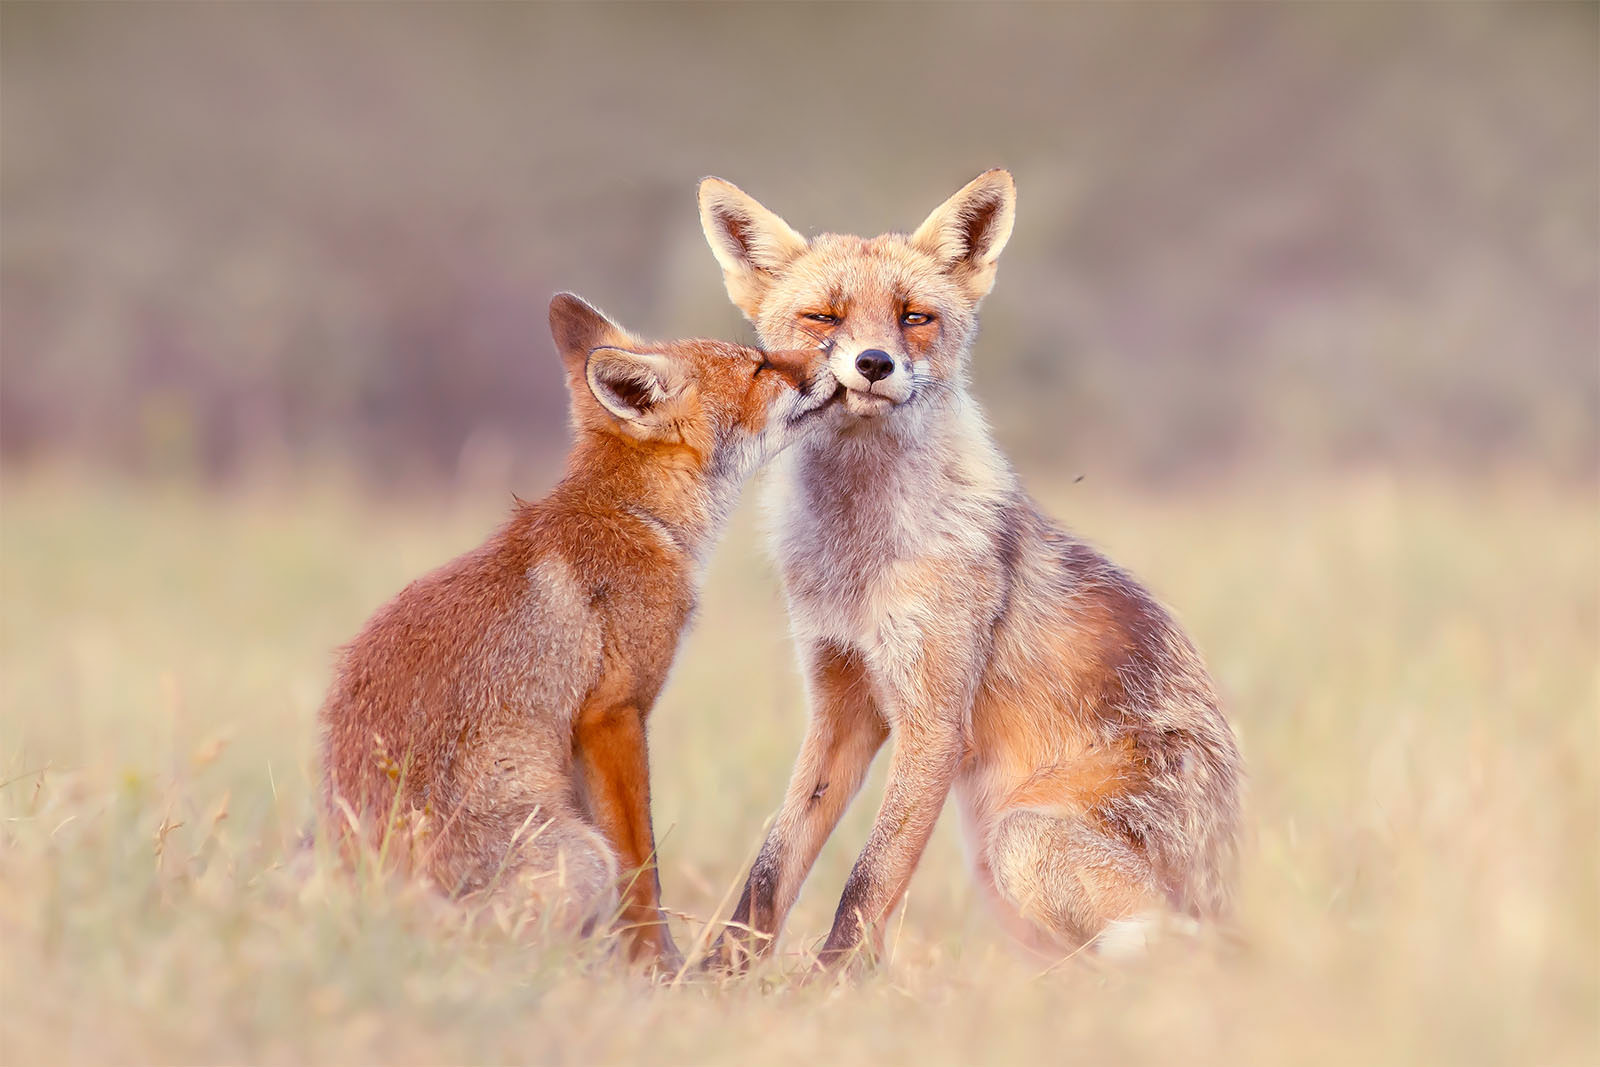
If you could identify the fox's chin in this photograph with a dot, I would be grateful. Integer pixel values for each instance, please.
(816, 403)
(868, 405)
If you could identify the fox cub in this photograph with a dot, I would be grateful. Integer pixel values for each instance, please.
(933, 600)
(496, 708)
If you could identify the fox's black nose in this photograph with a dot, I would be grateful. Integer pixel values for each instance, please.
(874, 364)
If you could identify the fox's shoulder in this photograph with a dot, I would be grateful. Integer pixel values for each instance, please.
(445, 607)
(607, 547)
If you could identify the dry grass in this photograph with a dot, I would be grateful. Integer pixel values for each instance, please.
(1412, 667)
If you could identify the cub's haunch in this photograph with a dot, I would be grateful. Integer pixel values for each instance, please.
(494, 712)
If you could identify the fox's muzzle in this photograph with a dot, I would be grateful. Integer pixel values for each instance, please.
(877, 378)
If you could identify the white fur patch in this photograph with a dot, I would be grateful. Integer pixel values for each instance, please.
(1125, 939)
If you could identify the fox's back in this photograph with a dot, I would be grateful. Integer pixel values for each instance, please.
(1094, 701)
(492, 634)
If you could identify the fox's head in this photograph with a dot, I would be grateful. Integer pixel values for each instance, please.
(896, 313)
(718, 408)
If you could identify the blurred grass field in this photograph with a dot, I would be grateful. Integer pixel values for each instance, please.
(1411, 665)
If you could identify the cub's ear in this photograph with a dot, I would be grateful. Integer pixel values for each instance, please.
(966, 233)
(634, 387)
(578, 328)
(752, 245)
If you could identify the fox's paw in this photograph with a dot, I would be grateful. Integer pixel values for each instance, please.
(729, 958)
(667, 965)
(655, 954)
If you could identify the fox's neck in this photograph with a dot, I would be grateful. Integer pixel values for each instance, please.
(864, 495)
(667, 496)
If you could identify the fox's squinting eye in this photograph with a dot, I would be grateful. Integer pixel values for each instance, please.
(915, 318)
(822, 317)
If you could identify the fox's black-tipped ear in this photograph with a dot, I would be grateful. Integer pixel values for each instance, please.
(967, 232)
(633, 387)
(752, 245)
(578, 329)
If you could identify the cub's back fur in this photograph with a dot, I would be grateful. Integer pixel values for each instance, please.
(467, 684)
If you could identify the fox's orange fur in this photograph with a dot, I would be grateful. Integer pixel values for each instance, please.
(934, 602)
(497, 707)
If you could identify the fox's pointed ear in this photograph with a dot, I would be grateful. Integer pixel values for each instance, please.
(578, 328)
(752, 245)
(967, 232)
(634, 387)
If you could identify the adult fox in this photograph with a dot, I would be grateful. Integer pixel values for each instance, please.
(500, 702)
(930, 597)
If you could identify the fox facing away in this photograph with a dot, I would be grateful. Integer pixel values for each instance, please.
(496, 708)
(931, 599)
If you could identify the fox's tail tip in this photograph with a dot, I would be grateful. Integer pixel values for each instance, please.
(1125, 939)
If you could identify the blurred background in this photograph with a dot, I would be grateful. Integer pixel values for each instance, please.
(252, 237)
(1300, 322)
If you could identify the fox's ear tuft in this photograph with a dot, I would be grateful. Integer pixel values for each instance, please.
(632, 386)
(577, 327)
(967, 232)
(752, 245)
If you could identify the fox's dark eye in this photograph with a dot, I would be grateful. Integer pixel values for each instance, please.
(915, 318)
(765, 364)
(822, 317)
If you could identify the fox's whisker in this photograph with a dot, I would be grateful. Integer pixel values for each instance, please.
(824, 343)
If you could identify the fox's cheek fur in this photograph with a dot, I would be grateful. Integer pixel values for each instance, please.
(773, 416)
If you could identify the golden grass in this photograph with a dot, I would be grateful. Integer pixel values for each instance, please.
(1412, 667)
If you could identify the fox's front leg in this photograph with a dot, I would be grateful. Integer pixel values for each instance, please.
(616, 769)
(929, 698)
(844, 732)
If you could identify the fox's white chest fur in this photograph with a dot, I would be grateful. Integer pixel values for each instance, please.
(858, 517)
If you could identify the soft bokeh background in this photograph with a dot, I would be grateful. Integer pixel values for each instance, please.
(1306, 295)
(253, 235)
